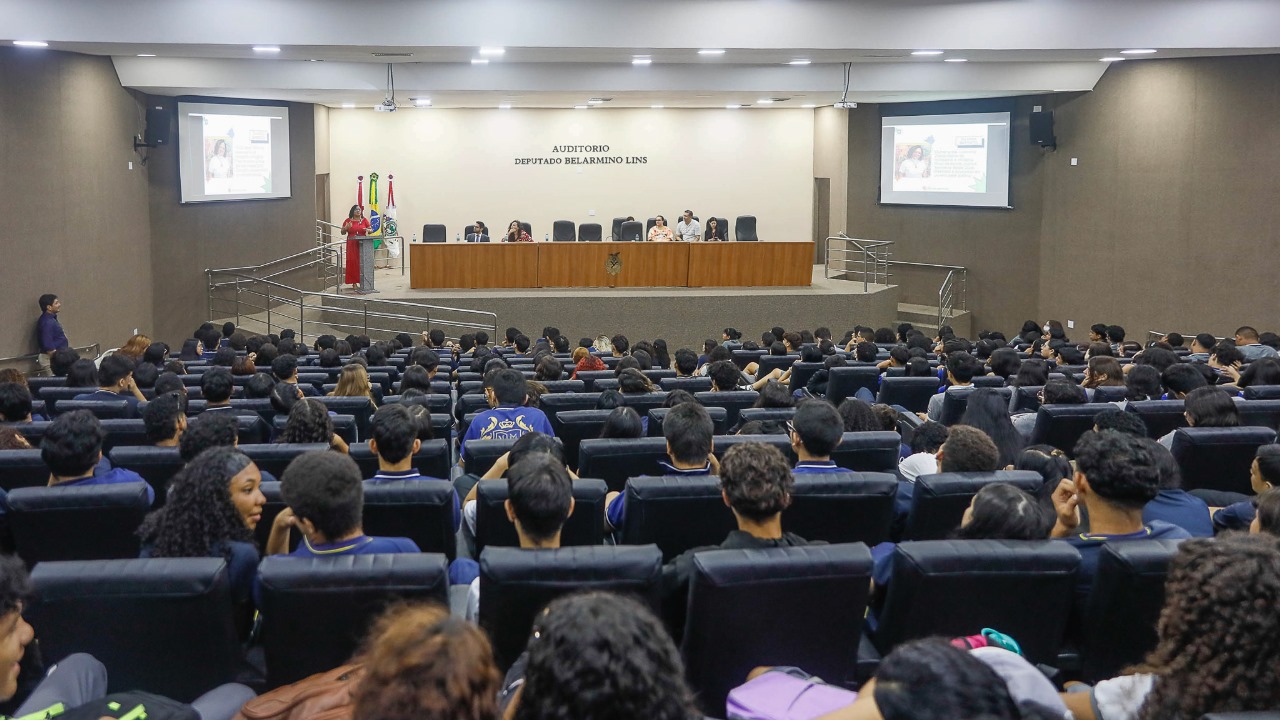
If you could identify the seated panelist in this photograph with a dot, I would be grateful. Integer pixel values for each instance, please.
(660, 232)
(478, 233)
(515, 233)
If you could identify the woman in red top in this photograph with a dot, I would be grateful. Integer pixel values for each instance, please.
(516, 233)
(356, 225)
(584, 360)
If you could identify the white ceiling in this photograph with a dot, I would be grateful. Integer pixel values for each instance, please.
(559, 53)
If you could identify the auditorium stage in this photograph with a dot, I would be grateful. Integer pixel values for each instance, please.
(682, 316)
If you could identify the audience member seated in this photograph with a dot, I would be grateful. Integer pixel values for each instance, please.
(72, 450)
(15, 403)
(394, 439)
(419, 662)
(285, 370)
(1116, 476)
(1054, 392)
(165, 420)
(925, 443)
(1216, 589)
(1207, 407)
(325, 498)
(506, 392)
(309, 422)
(1240, 512)
(115, 382)
(988, 411)
(1173, 504)
(61, 361)
(688, 430)
(1179, 380)
(353, 381)
(815, 432)
(858, 416)
(961, 367)
(1250, 346)
(622, 423)
(1052, 465)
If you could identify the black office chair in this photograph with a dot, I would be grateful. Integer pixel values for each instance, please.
(615, 230)
(343, 594)
(584, 527)
(527, 228)
(938, 501)
(590, 232)
(1124, 604)
(516, 584)
(631, 231)
(648, 225)
(744, 228)
(722, 229)
(912, 393)
(434, 233)
(1218, 458)
(731, 590)
(842, 507)
(137, 616)
(563, 231)
(83, 522)
(675, 513)
(421, 510)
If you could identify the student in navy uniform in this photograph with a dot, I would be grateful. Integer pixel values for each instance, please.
(394, 439)
(165, 420)
(815, 430)
(285, 369)
(15, 403)
(689, 430)
(1264, 474)
(506, 392)
(1116, 476)
(115, 382)
(72, 449)
(325, 495)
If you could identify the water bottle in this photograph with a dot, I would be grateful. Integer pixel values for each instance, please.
(546, 238)
(415, 238)
(459, 237)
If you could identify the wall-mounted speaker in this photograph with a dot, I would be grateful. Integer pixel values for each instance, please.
(159, 120)
(1042, 129)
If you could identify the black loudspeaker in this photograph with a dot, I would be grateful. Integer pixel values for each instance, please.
(159, 120)
(1042, 129)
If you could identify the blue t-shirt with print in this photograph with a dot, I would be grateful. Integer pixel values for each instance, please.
(506, 423)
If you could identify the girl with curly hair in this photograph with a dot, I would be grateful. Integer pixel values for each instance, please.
(213, 506)
(1218, 638)
(422, 663)
(309, 422)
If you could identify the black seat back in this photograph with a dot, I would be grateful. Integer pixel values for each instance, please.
(121, 431)
(1062, 425)
(801, 372)
(956, 402)
(843, 382)
(841, 507)
(421, 510)
(432, 458)
(563, 231)
(1109, 393)
(938, 501)
(954, 588)
(434, 233)
(631, 231)
(733, 401)
(1262, 392)
(589, 378)
(590, 232)
(343, 594)
(769, 363)
(1123, 606)
(156, 465)
(912, 393)
(480, 455)
(137, 616)
(275, 457)
(744, 228)
(101, 409)
(615, 229)
(1025, 398)
(80, 522)
(731, 590)
(1161, 416)
(555, 402)
(1218, 458)
(574, 426)
(359, 408)
(868, 451)
(765, 415)
(515, 585)
(1260, 413)
(344, 426)
(688, 384)
(564, 386)
(743, 358)
(616, 460)
(584, 527)
(22, 468)
(719, 420)
(675, 513)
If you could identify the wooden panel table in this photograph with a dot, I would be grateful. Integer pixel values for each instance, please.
(643, 264)
(750, 264)
(473, 265)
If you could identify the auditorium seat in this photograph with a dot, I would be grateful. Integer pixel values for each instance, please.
(138, 617)
(101, 409)
(912, 393)
(956, 401)
(631, 231)
(437, 402)
(375, 389)
(938, 501)
(1025, 398)
(676, 513)
(842, 507)
(1262, 392)
(1062, 425)
(584, 527)
(432, 459)
(89, 522)
(275, 457)
(769, 363)
(989, 381)
(358, 407)
(1260, 413)
(1119, 618)
(688, 384)
(317, 611)
(719, 420)
(434, 233)
(1110, 393)
(22, 468)
(868, 451)
(555, 403)
(743, 358)
(782, 415)
(563, 231)
(782, 443)
(744, 228)
(813, 598)
(953, 588)
(421, 510)
(602, 384)
(156, 465)
(733, 401)
(616, 460)
(615, 229)
(262, 406)
(801, 372)
(564, 386)
(574, 426)
(57, 393)
(589, 378)
(1218, 458)
(644, 402)
(344, 426)
(844, 382)
(35, 383)
(1161, 416)
(516, 584)
(480, 455)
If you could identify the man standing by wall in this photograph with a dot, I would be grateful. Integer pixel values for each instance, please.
(688, 229)
(49, 332)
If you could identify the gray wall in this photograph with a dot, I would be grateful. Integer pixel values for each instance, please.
(187, 239)
(76, 221)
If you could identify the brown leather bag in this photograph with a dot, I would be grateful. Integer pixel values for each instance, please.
(325, 696)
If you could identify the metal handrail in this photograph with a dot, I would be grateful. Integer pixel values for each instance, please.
(33, 357)
(870, 252)
(875, 254)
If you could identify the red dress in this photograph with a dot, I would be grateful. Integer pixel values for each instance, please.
(354, 229)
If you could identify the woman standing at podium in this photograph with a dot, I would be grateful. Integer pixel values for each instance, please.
(354, 227)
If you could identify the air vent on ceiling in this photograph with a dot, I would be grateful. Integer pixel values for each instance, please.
(390, 54)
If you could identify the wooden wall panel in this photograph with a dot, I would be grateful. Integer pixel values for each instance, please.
(750, 264)
(473, 265)
(643, 265)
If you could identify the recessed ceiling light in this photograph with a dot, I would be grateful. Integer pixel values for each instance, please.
(710, 52)
(657, 107)
(145, 55)
(348, 105)
(799, 62)
(31, 43)
(956, 60)
(266, 49)
(642, 61)
(492, 51)
(479, 61)
(732, 107)
(1144, 51)
(809, 105)
(580, 107)
(422, 102)
(927, 52)
(1110, 59)
(765, 101)
(504, 106)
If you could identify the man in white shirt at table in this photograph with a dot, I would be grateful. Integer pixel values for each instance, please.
(688, 229)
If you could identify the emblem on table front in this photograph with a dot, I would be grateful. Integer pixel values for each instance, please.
(613, 265)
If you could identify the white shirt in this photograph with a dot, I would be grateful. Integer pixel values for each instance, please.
(913, 168)
(921, 463)
(219, 166)
(690, 231)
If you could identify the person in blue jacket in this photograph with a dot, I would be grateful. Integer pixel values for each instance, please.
(507, 417)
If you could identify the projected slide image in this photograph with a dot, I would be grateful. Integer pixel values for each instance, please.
(940, 158)
(237, 154)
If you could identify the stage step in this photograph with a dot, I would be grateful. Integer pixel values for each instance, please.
(925, 319)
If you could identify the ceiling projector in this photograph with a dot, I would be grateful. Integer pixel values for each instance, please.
(386, 106)
(842, 105)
